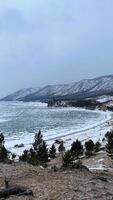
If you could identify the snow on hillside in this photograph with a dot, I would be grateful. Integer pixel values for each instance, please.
(107, 100)
(81, 86)
(104, 98)
(87, 85)
(20, 94)
(55, 90)
(91, 85)
(98, 86)
(104, 83)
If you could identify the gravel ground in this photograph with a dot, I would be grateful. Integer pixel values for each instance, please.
(61, 185)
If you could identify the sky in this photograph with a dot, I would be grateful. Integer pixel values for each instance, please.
(54, 41)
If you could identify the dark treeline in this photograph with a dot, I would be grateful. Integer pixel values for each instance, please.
(90, 104)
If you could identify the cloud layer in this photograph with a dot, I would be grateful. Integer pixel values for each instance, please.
(48, 41)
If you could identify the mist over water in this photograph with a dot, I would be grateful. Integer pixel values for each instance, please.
(20, 121)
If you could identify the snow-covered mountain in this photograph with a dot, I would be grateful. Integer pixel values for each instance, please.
(20, 94)
(82, 89)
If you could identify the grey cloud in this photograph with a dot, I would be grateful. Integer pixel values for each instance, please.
(48, 41)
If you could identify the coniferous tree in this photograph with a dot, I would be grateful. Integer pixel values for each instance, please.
(25, 156)
(33, 157)
(61, 147)
(97, 146)
(3, 150)
(67, 158)
(38, 154)
(38, 140)
(77, 149)
(109, 145)
(52, 151)
(1, 139)
(42, 153)
(89, 145)
(107, 134)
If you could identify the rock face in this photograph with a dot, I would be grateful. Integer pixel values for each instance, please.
(78, 90)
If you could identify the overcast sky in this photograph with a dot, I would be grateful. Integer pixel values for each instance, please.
(54, 41)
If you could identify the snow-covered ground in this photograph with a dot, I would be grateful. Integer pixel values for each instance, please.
(104, 98)
(96, 132)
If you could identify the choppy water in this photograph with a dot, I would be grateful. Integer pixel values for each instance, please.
(20, 121)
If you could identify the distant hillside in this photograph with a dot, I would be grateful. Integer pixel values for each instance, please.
(16, 96)
(78, 90)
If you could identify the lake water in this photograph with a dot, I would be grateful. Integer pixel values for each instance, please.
(20, 121)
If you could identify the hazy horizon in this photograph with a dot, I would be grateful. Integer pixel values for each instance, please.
(46, 42)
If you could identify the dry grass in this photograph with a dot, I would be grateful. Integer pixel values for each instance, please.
(60, 185)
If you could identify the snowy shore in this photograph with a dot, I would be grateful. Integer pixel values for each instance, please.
(95, 132)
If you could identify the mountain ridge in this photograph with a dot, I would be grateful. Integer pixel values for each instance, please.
(85, 88)
(19, 94)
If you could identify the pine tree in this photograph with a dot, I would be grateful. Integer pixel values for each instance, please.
(1, 139)
(38, 140)
(97, 146)
(38, 154)
(52, 152)
(42, 154)
(25, 156)
(77, 149)
(61, 147)
(3, 150)
(107, 134)
(89, 145)
(109, 145)
(33, 157)
(67, 158)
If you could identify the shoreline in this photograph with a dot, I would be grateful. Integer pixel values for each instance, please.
(83, 130)
(96, 133)
(84, 134)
